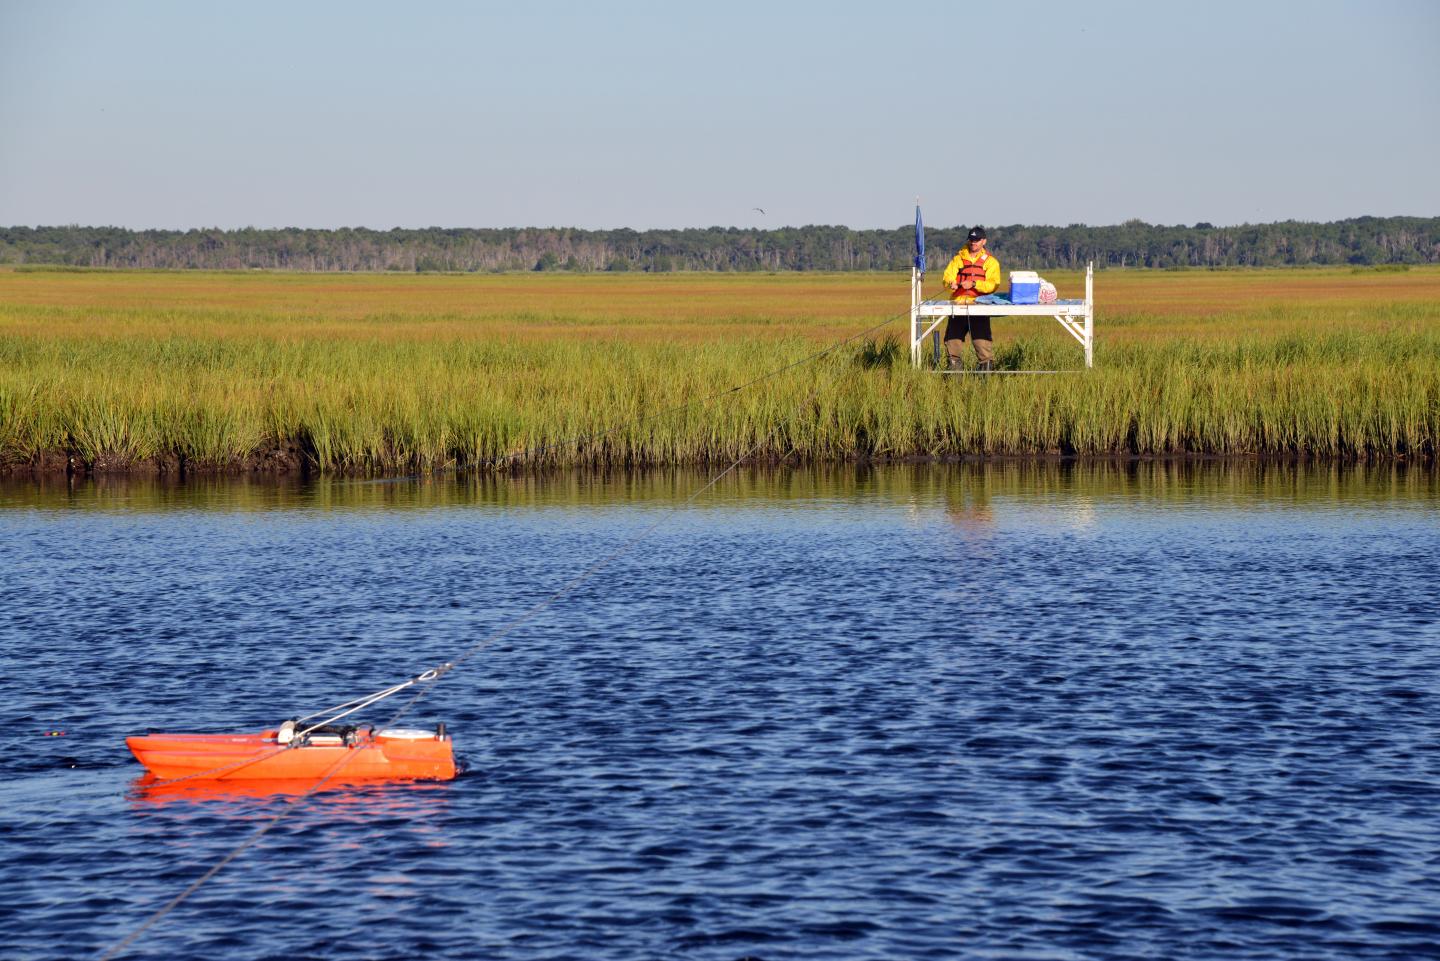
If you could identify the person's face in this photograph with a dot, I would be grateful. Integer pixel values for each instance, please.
(977, 245)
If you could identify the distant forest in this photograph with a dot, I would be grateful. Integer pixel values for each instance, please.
(1364, 240)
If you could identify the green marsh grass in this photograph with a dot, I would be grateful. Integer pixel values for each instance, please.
(379, 374)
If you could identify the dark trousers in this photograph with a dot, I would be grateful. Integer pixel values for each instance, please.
(979, 330)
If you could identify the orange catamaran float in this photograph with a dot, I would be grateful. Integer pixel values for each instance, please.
(296, 751)
(355, 754)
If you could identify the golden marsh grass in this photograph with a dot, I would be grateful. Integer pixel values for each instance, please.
(383, 373)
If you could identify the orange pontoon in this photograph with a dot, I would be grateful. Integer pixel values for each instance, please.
(354, 754)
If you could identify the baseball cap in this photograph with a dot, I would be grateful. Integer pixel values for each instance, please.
(976, 233)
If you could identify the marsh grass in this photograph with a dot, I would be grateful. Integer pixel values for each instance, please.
(376, 374)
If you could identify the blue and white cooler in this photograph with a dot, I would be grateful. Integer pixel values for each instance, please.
(1024, 287)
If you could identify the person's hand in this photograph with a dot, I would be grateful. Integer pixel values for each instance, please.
(967, 284)
(954, 286)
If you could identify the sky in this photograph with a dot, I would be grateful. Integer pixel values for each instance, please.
(671, 115)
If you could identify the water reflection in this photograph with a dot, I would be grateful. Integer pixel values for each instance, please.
(970, 490)
(148, 791)
(969, 509)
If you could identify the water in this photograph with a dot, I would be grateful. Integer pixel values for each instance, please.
(983, 712)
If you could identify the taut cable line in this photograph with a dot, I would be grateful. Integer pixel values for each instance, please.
(425, 681)
(432, 675)
(238, 850)
(521, 456)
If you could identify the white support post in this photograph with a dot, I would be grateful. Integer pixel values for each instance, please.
(1090, 314)
(915, 284)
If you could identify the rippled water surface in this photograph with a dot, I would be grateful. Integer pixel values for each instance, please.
(984, 712)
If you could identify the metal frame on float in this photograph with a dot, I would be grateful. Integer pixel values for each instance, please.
(926, 316)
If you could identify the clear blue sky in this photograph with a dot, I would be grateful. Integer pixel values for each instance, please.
(319, 114)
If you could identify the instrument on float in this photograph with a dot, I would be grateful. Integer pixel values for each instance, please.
(295, 750)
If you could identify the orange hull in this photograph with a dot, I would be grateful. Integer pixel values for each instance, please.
(225, 757)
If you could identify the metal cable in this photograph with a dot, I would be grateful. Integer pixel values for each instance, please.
(215, 869)
(363, 697)
(666, 411)
(530, 614)
(363, 702)
(530, 452)
(514, 624)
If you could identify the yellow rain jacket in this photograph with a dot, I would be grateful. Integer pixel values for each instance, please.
(984, 268)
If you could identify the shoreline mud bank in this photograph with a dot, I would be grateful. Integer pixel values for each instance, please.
(295, 461)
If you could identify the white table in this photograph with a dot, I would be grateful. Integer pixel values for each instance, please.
(1078, 319)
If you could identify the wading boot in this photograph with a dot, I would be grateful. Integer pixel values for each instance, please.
(956, 364)
(986, 366)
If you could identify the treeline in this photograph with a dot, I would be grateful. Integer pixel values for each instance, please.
(1363, 240)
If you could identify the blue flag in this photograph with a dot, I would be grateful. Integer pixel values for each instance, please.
(919, 241)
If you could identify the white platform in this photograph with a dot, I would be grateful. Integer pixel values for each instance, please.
(927, 316)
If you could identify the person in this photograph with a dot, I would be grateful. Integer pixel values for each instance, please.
(971, 273)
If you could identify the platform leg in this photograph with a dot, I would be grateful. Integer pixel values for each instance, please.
(915, 284)
(1090, 314)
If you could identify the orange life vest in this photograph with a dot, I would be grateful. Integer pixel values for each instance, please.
(972, 271)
